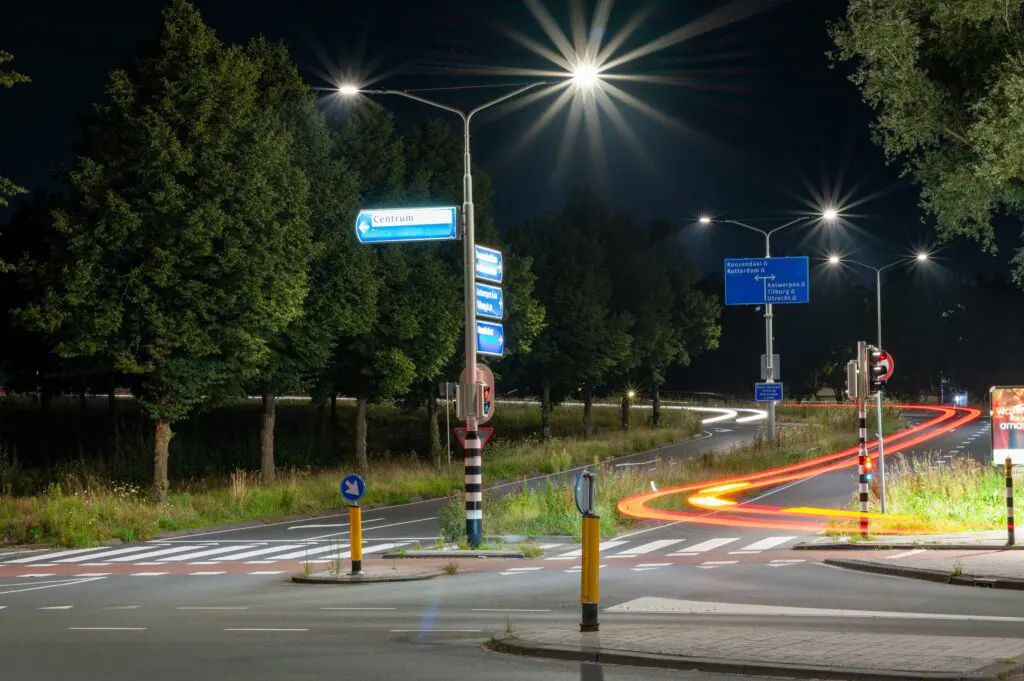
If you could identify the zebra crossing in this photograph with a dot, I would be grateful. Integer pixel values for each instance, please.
(618, 548)
(155, 553)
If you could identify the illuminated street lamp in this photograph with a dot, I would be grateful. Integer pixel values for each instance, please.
(828, 215)
(837, 260)
(585, 76)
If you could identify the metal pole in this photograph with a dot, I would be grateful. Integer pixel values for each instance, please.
(447, 423)
(1009, 502)
(472, 461)
(589, 582)
(862, 435)
(878, 395)
(769, 367)
(355, 526)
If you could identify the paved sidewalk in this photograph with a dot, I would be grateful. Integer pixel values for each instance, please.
(801, 653)
(978, 567)
(993, 539)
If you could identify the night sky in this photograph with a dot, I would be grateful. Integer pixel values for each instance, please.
(761, 124)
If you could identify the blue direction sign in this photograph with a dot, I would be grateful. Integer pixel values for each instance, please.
(406, 224)
(756, 281)
(353, 488)
(490, 338)
(490, 301)
(489, 264)
(767, 392)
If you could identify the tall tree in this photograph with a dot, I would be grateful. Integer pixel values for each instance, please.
(9, 79)
(342, 289)
(946, 80)
(184, 243)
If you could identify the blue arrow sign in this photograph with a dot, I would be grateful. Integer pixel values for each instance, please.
(406, 224)
(353, 488)
(767, 392)
(490, 301)
(490, 338)
(489, 264)
(756, 281)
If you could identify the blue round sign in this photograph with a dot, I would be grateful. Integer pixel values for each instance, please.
(353, 488)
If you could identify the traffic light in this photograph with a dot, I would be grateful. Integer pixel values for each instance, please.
(878, 368)
(486, 411)
(869, 468)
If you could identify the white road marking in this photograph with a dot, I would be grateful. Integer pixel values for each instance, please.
(152, 554)
(766, 543)
(105, 554)
(651, 604)
(709, 545)
(211, 552)
(545, 547)
(212, 607)
(147, 574)
(506, 610)
(267, 572)
(260, 552)
(355, 608)
(524, 569)
(205, 574)
(439, 631)
(254, 629)
(603, 546)
(787, 561)
(206, 562)
(37, 574)
(366, 521)
(51, 585)
(122, 607)
(652, 565)
(106, 628)
(375, 527)
(55, 607)
(719, 562)
(47, 556)
(651, 547)
(312, 551)
(905, 554)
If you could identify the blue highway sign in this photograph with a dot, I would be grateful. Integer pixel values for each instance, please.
(756, 281)
(353, 488)
(767, 392)
(490, 338)
(490, 301)
(489, 265)
(406, 224)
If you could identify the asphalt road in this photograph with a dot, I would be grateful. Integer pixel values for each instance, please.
(154, 622)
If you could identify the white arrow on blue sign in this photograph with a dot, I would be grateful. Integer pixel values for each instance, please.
(353, 488)
(489, 264)
(490, 338)
(490, 301)
(406, 224)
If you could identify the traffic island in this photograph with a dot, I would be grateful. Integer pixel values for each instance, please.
(454, 553)
(766, 651)
(994, 569)
(373, 575)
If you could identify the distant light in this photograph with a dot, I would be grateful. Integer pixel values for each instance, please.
(834, 259)
(705, 220)
(631, 394)
(348, 90)
(921, 257)
(585, 76)
(830, 214)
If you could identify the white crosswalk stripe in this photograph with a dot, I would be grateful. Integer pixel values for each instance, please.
(152, 554)
(765, 544)
(260, 552)
(211, 552)
(46, 556)
(104, 554)
(312, 551)
(650, 547)
(603, 546)
(709, 545)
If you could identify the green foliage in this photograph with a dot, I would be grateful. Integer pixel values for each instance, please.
(9, 79)
(946, 80)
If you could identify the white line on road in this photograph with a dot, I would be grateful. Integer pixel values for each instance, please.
(205, 574)
(367, 521)
(506, 610)
(905, 554)
(37, 574)
(652, 565)
(355, 608)
(266, 572)
(122, 607)
(254, 629)
(47, 556)
(719, 562)
(260, 552)
(436, 631)
(710, 544)
(766, 543)
(55, 607)
(106, 628)
(147, 574)
(151, 554)
(524, 569)
(375, 527)
(210, 552)
(212, 607)
(650, 547)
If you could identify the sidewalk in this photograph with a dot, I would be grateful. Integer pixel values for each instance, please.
(995, 539)
(996, 568)
(802, 653)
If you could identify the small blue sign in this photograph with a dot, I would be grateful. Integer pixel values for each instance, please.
(490, 301)
(406, 224)
(489, 265)
(767, 392)
(353, 488)
(756, 281)
(490, 338)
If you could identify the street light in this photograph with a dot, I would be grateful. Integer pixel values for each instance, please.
(836, 260)
(585, 75)
(828, 215)
(348, 90)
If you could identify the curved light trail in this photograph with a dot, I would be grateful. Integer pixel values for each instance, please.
(714, 507)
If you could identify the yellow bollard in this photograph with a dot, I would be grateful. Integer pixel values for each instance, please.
(355, 527)
(589, 584)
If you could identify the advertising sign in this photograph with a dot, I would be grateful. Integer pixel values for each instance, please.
(1007, 424)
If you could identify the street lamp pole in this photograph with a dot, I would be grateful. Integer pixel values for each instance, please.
(472, 461)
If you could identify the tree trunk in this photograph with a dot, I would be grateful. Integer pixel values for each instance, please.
(588, 411)
(655, 405)
(434, 431)
(361, 461)
(161, 454)
(545, 412)
(625, 412)
(267, 472)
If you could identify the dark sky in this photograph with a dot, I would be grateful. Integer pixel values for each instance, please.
(759, 122)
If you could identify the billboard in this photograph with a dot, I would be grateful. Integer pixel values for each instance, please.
(1007, 424)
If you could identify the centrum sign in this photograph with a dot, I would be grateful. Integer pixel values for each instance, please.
(1007, 424)
(390, 225)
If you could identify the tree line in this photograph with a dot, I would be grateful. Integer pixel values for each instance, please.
(201, 248)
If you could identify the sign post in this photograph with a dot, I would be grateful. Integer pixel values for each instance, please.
(862, 434)
(352, 490)
(589, 583)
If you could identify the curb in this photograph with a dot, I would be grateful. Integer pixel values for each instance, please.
(367, 577)
(513, 646)
(880, 546)
(928, 575)
(455, 553)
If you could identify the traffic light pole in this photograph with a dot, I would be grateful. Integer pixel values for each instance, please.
(878, 395)
(862, 434)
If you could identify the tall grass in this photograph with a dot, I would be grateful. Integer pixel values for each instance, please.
(82, 508)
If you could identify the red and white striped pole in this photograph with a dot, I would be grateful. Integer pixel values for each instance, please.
(1009, 502)
(862, 435)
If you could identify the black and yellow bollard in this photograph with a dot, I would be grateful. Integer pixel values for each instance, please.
(589, 584)
(1009, 502)
(355, 529)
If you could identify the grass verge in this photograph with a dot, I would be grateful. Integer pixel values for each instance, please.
(82, 510)
(550, 509)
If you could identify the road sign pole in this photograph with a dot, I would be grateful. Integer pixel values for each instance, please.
(355, 527)
(862, 435)
(1008, 464)
(769, 332)
(472, 461)
(878, 397)
(590, 595)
